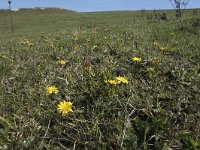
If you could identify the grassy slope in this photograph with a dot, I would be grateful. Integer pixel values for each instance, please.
(158, 111)
(30, 22)
(34, 21)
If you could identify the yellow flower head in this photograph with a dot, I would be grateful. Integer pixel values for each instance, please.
(89, 39)
(151, 71)
(6, 58)
(122, 80)
(163, 49)
(88, 68)
(156, 62)
(52, 89)
(27, 42)
(112, 82)
(155, 43)
(137, 59)
(95, 46)
(61, 62)
(51, 46)
(64, 107)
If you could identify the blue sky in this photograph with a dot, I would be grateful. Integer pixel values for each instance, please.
(95, 5)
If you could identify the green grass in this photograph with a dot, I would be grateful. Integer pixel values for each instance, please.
(153, 111)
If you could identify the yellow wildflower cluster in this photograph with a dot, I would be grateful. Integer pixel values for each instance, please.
(27, 42)
(117, 80)
(63, 107)
(158, 45)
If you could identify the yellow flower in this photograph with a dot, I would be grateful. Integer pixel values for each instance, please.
(51, 46)
(27, 42)
(88, 68)
(89, 39)
(112, 82)
(52, 89)
(155, 43)
(137, 59)
(61, 62)
(30, 44)
(95, 46)
(163, 49)
(122, 80)
(151, 71)
(156, 62)
(64, 33)
(6, 58)
(64, 107)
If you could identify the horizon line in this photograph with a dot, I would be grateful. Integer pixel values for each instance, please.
(42, 8)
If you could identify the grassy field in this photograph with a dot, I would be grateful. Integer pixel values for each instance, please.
(101, 80)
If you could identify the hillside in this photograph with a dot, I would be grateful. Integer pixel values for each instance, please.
(26, 21)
